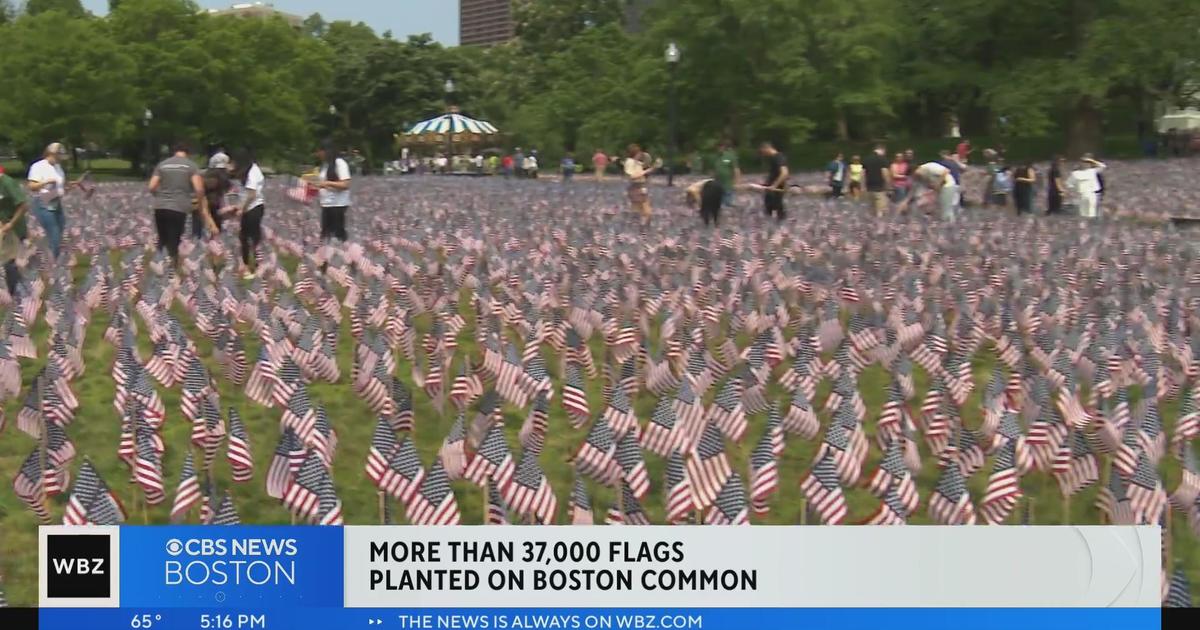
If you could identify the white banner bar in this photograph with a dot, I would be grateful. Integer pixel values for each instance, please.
(760, 566)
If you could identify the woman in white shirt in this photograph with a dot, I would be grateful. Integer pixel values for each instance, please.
(1086, 183)
(48, 183)
(333, 180)
(251, 206)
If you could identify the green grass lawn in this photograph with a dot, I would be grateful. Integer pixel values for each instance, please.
(95, 432)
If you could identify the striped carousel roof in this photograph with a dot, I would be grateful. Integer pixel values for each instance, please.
(453, 123)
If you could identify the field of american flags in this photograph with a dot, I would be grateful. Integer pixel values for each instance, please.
(816, 406)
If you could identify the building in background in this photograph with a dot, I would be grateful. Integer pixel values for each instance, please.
(635, 11)
(485, 22)
(259, 10)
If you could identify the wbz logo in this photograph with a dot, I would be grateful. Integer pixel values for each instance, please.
(78, 566)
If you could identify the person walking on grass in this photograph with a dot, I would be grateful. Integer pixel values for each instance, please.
(176, 185)
(636, 172)
(878, 178)
(708, 195)
(568, 167)
(599, 164)
(333, 182)
(856, 177)
(936, 178)
(14, 205)
(775, 185)
(1024, 181)
(1085, 180)
(1056, 186)
(216, 187)
(726, 171)
(49, 183)
(251, 208)
(836, 171)
(899, 178)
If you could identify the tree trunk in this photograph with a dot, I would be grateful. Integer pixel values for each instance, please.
(843, 126)
(1083, 129)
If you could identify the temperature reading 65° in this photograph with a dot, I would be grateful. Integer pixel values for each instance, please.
(144, 621)
(228, 621)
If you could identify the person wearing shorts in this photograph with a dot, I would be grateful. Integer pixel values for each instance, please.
(877, 176)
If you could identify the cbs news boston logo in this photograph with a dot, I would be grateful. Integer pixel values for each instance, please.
(80, 567)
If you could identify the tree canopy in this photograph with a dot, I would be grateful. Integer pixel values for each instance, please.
(575, 78)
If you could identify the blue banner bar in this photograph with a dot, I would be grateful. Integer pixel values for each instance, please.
(587, 619)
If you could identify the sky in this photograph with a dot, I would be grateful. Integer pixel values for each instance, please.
(402, 17)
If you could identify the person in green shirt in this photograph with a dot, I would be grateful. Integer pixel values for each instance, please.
(13, 205)
(726, 171)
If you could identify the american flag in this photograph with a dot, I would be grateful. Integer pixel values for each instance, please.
(574, 398)
(289, 455)
(497, 509)
(528, 493)
(764, 469)
(383, 446)
(1003, 489)
(404, 473)
(91, 501)
(596, 457)
(679, 499)
(241, 458)
(1147, 498)
(633, 465)
(454, 449)
(147, 468)
(708, 467)
(434, 502)
(226, 513)
(493, 460)
(950, 503)
(627, 511)
(730, 507)
(823, 489)
(187, 494)
(728, 412)
(302, 497)
(581, 505)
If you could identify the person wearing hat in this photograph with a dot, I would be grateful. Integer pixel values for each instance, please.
(13, 206)
(49, 183)
(216, 187)
(176, 185)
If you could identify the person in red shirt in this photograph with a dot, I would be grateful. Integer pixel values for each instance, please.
(599, 163)
(506, 165)
(964, 150)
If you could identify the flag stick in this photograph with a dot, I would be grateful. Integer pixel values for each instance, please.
(1105, 476)
(382, 507)
(487, 497)
(804, 510)
(1168, 542)
(621, 499)
(1066, 509)
(1029, 501)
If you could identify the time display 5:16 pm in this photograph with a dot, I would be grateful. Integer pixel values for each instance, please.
(225, 621)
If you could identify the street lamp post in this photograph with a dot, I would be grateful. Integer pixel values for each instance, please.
(449, 89)
(148, 116)
(672, 56)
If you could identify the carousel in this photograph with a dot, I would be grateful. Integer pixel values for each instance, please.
(451, 134)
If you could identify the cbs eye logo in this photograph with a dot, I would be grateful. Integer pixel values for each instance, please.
(174, 547)
(79, 566)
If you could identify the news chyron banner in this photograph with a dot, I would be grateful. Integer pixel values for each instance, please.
(339, 578)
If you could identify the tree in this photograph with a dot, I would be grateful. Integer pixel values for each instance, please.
(73, 8)
(47, 96)
(315, 25)
(547, 25)
(7, 13)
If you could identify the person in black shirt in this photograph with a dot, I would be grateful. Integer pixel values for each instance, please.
(1024, 179)
(216, 186)
(776, 184)
(1056, 187)
(878, 177)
